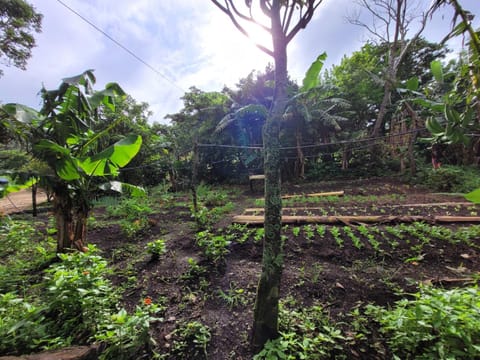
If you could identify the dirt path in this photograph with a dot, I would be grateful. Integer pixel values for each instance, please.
(20, 201)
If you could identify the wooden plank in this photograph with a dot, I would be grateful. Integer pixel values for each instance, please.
(256, 177)
(306, 208)
(330, 193)
(259, 219)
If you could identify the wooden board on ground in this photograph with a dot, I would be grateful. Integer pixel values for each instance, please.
(330, 193)
(259, 219)
(307, 208)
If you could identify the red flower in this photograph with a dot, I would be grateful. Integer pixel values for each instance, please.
(86, 272)
(147, 301)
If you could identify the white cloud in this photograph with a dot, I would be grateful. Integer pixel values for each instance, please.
(192, 43)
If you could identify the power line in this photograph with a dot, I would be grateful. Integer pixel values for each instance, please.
(343, 142)
(116, 42)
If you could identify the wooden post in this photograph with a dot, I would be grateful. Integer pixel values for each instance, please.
(193, 183)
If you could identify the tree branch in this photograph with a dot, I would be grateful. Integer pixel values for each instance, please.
(227, 9)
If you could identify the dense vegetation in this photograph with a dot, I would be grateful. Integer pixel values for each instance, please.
(160, 256)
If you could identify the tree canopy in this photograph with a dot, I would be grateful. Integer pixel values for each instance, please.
(19, 21)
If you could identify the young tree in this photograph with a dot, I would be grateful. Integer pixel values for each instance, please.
(284, 19)
(62, 136)
(18, 22)
(392, 20)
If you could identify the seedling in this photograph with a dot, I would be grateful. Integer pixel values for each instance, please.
(335, 231)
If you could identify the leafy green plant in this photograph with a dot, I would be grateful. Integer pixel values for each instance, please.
(127, 336)
(79, 294)
(233, 296)
(23, 326)
(355, 239)
(156, 248)
(68, 135)
(296, 231)
(191, 340)
(320, 229)
(194, 272)
(436, 324)
(335, 231)
(215, 247)
(133, 213)
(304, 334)
(259, 234)
(240, 233)
(308, 232)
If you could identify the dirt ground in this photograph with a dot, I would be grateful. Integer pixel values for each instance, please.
(20, 201)
(316, 270)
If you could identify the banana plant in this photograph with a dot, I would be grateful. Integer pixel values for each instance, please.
(67, 134)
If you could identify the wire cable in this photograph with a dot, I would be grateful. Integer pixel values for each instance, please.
(116, 42)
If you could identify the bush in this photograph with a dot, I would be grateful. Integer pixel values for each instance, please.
(304, 334)
(450, 178)
(133, 213)
(437, 324)
(156, 248)
(79, 304)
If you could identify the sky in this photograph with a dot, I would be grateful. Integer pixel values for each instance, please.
(186, 42)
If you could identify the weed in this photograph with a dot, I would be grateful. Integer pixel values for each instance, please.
(215, 247)
(233, 296)
(437, 324)
(191, 340)
(194, 271)
(156, 248)
(304, 334)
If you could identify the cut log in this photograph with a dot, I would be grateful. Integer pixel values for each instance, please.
(259, 219)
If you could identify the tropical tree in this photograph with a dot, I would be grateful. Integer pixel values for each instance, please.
(62, 136)
(285, 20)
(391, 22)
(18, 22)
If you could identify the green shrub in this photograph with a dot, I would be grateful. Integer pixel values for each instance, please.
(79, 295)
(191, 340)
(450, 178)
(78, 304)
(127, 336)
(215, 247)
(305, 333)
(23, 326)
(156, 248)
(133, 213)
(437, 324)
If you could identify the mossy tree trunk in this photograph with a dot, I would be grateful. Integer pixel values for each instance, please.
(265, 325)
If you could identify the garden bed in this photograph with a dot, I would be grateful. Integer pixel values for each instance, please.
(208, 278)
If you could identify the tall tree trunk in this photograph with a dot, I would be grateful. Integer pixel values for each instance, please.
(265, 326)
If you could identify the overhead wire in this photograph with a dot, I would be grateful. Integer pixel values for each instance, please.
(119, 44)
